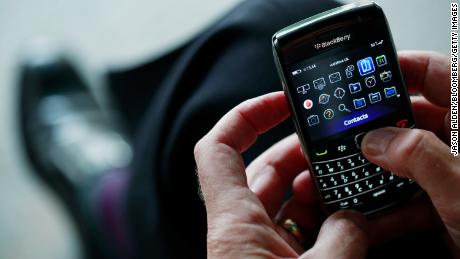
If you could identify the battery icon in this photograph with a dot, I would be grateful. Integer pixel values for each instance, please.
(296, 72)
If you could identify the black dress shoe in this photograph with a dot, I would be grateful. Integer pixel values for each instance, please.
(68, 139)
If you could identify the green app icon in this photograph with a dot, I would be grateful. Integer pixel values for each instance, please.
(381, 60)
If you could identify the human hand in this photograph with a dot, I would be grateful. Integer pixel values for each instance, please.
(240, 221)
(421, 154)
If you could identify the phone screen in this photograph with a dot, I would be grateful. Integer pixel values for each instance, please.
(343, 79)
(348, 77)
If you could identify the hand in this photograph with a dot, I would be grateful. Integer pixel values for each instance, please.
(420, 154)
(240, 221)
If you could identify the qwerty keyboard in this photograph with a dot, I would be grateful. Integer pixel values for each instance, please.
(346, 179)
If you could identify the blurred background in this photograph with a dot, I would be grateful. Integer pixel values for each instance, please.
(116, 34)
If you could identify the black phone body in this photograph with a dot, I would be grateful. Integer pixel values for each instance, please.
(342, 78)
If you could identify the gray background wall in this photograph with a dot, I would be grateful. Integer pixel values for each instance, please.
(119, 33)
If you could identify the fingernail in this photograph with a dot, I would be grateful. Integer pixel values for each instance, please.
(262, 179)
(376, 142)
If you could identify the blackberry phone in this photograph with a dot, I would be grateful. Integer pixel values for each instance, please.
(342, 78)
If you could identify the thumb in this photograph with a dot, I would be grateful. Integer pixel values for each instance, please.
(419, 155)
(342, 235)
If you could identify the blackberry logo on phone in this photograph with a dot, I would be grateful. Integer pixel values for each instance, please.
(357, 81)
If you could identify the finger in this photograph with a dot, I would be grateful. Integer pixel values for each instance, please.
(420, 155)
(430, 117)
(290, 239)
(447, 127)
(220, 167)
(402, 221)
(304, 190)
(271, 174)
(308, 218)
(428, 73)
(343, 235)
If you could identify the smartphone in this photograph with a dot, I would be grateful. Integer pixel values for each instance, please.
(341, 75)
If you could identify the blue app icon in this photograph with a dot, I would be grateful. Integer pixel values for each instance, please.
(390, 92)
(366, 66)
(359, 103)
(354, 87)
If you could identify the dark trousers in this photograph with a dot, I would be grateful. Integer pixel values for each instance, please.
(170, 103)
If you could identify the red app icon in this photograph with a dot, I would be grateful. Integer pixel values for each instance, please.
(307, 104)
